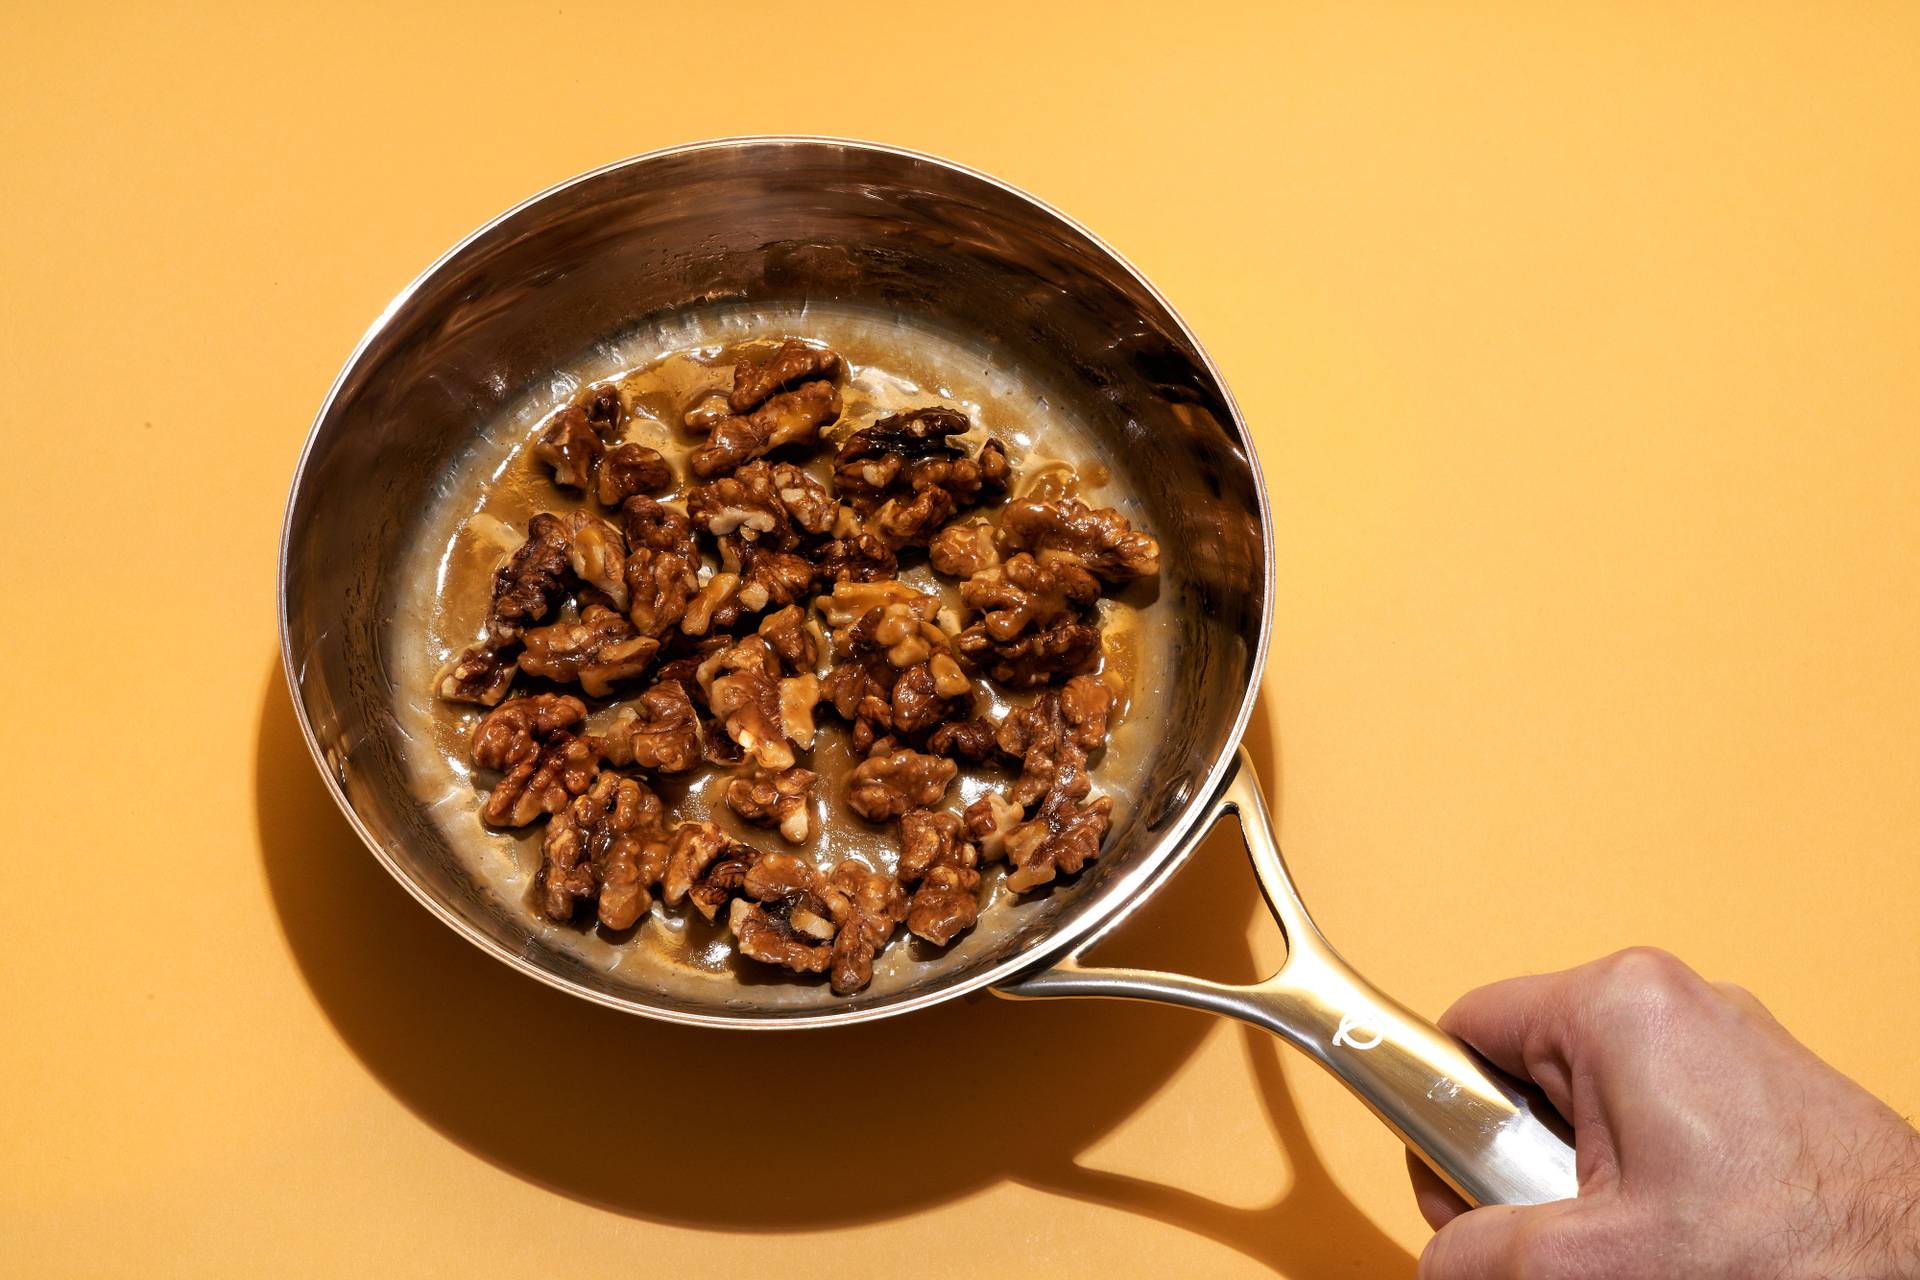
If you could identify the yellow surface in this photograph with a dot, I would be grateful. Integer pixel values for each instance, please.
(1583, 346)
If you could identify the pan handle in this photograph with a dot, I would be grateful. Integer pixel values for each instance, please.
(1492, 1138)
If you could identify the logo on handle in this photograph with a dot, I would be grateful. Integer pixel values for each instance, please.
(1355, 1033)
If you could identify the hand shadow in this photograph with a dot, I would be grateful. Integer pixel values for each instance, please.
(702, 1128)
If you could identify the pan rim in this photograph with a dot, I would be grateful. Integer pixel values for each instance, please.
(1173, 844)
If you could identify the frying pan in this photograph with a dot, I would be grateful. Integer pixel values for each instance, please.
(786, 220)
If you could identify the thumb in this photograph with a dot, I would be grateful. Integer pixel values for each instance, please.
(1498, 1242)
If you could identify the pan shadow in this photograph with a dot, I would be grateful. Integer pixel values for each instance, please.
(584, 1101)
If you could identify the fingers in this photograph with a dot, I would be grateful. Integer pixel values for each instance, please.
(1597, 1015)
(1439, 1203)
(1493, 1243)
(1524, 1027)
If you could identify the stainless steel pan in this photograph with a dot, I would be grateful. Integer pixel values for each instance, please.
(789, 219)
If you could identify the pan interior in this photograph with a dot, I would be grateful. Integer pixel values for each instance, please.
(937, 285)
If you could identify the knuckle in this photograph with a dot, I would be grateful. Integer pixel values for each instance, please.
(1744, 1003)
(1646, 969)
(1640, 984)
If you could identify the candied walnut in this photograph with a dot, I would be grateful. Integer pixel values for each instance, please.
(634, 860)
(860, 557)
(709, 603)
(896, 672)
(743, 695)
(1101, 538)
(706, 411)
(769, 505)
(757, 377)
(912, 520)
(661, 733)
(1063, 835)
(594, 652)
(745, 504)
(1087, 704)
(721, 883)
(787, 634)
(809, 505)
(570, 446)
(630, 469)
(787, 885)
(928, 837)
(995, 470)
(860, 690)
(917, 704)
(1028, 592)
(771, 877)
(990, 820)
(963, 549)
(945, 905)
(688, 656)
(892, 467)
(770, 938)
(533, 579)
(901, 631)
(720, 751)
(514, 732)
(751, 654)
(481, 674)
(609, 844)
(783, 917)
(605, 410)
(792, 417)
(778, 800)
(866, 905)
(970, 740)
(799, 695)
(885, 786)
(849, 601)
(1070, 721)
(531, 741)
(1033, 659)
(597, 554)
(695, 847)
(661, 565)
(943, 864)
(873, 459)
(769, 578)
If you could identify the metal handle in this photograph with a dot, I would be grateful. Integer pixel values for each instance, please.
(1493, 1139)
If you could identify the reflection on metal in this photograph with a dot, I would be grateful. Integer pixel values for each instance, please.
(1491, 1139)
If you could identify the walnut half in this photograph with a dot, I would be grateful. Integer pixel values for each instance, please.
(942, 864)
(1100, 538)
(545, 763)
(886, 786)
(609, 846)
(660, 733)
(774, 799)
(867, 905)
(595, 652)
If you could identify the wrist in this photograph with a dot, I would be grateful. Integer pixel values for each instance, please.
(1874, 1228)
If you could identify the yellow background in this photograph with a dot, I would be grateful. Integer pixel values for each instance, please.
(1583, 349)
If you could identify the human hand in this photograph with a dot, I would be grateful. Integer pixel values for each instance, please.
(1709, 1142)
